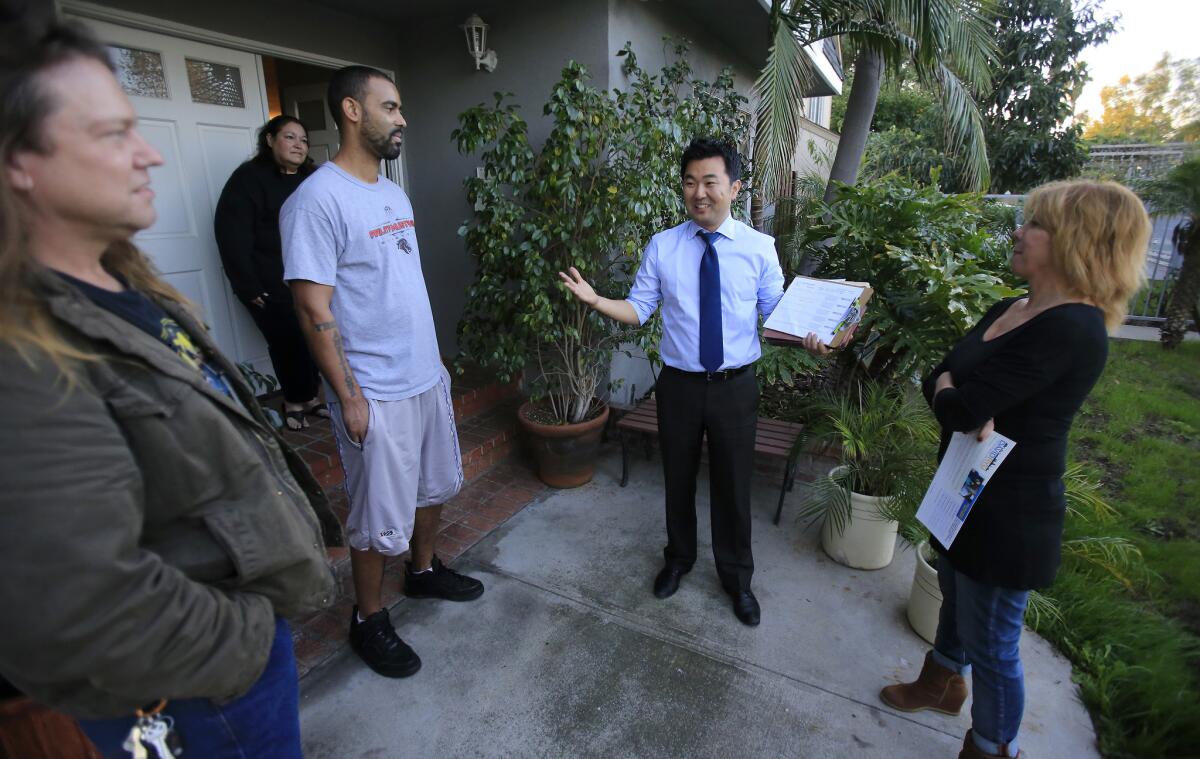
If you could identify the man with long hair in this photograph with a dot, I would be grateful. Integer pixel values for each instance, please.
(155, 530)
(351, 257)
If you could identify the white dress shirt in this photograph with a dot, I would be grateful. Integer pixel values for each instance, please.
(751, 286)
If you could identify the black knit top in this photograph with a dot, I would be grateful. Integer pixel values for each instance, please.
(246, 224)
(1031, 380)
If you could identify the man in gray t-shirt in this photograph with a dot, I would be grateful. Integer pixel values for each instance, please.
(351, 258)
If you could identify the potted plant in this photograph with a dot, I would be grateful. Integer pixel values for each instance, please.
(605, 179)
(885, 438)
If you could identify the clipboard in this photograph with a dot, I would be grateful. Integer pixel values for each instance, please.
(799, 316)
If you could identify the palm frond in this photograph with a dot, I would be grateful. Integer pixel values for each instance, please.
(1084, 499)
(829, 498)
(787, 76)
(964, 126)
(1176, 192)
(1041, 608)
(1116, 556)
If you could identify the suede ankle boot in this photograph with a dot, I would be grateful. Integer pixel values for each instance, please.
(971, 751)
(936, 688)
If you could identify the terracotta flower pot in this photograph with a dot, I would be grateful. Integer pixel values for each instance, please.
(565, 453)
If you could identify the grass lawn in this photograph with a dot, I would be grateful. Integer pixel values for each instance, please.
(1136, 645)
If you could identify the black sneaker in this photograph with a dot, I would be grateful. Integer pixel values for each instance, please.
(442, 582)
(376, 643)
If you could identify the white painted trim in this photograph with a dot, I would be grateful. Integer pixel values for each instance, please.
(99, 12)
(824, 68)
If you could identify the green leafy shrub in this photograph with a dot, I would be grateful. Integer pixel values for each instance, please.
(934, 261)
(604, 181)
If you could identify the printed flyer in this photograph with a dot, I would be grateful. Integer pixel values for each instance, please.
(961, 477)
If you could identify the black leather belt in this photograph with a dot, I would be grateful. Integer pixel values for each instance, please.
(720, 376)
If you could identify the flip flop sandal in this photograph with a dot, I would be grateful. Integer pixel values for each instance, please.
(320, 411)
(294, 419)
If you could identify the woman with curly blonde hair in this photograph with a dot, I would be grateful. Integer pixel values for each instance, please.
(1023, 371)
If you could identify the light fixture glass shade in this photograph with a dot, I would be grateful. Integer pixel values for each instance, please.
(476, 32)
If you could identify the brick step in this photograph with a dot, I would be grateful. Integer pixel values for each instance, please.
(477, 391)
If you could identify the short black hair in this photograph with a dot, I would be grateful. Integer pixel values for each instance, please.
(707, 147)
(349, 82)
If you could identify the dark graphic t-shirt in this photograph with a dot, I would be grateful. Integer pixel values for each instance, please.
(135, 308)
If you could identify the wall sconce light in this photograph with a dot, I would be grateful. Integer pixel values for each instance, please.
(476, 32)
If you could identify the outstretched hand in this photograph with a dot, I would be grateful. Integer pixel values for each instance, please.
(579, 287)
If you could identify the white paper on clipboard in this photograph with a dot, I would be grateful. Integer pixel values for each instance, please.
(821, 306)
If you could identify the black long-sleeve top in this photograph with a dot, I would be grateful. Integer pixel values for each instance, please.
(1031, 381)
(247, 229)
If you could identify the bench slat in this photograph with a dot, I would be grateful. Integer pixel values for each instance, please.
(772, 437)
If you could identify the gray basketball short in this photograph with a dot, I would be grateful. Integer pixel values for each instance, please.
(409, 459)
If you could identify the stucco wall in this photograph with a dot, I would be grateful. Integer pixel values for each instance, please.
(646, 23)
(533, 40)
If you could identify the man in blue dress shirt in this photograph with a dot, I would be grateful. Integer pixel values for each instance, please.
(714, 277)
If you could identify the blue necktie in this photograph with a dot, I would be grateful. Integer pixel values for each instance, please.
(712, 350)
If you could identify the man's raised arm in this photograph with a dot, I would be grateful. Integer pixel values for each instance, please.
(621, 310)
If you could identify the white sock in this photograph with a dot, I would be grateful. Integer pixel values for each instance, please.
(422, 571)
(360, 617)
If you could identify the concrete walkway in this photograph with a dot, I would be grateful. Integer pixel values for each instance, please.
(569, 654)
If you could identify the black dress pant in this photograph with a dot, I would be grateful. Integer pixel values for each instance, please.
(294, 366)
(689, 407)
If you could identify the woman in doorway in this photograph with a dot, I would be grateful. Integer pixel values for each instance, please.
(247, 230)
(1023, 371)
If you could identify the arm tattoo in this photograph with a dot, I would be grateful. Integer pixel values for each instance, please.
(351, 386)
(324, 326)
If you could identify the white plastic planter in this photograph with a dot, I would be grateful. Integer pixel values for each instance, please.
(925, 598)
(869, 540)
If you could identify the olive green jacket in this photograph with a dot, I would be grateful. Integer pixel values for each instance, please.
(151, 528)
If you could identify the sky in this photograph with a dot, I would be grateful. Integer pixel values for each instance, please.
(1147, 29)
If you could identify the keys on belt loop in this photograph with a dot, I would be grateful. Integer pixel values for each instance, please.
(154, 731)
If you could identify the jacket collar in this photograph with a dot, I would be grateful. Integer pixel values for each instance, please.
(72, 307)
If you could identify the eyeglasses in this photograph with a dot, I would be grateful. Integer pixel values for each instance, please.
(1020, 218)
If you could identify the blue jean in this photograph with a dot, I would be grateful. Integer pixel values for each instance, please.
(979, 631)
(265, 722)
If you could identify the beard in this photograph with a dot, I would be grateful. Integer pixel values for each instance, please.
(381, 143)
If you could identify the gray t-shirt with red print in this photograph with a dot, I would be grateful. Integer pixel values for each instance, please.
(360, 239)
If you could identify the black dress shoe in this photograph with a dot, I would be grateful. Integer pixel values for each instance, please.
(667, 581)
(745, 607)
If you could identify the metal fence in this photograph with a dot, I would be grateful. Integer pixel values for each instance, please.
(1163, 261)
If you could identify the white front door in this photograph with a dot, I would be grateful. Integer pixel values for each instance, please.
(201, 106)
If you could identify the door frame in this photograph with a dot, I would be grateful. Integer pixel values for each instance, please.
(97, 12)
